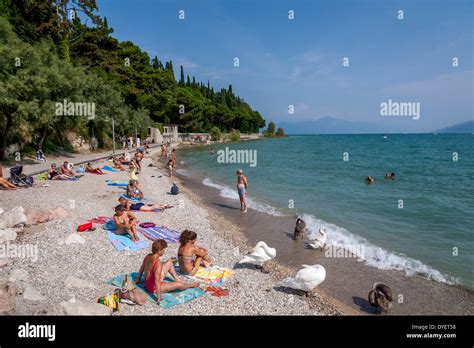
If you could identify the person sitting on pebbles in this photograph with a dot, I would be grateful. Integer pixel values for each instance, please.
(125, 222)
(155, 272)
(191, 256)
(133, 191)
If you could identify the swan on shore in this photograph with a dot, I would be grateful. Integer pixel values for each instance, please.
(306, 279)
(260, 254)
(381, 296)
(320, 240)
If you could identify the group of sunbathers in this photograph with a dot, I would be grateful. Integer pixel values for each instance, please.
(65, 172)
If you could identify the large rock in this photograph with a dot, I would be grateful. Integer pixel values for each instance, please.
(7, 297)
(12, 218)
(79, 308)
(35, 216)
(18, 275)
(73, 282)
(7, 234)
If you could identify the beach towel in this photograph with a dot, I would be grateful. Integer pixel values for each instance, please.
(169, 299)
(99, 220)
(125, 243)
(43, 176)
(214, 275)
(134, 200)
(160, 232)
(110, 169)
(116, 183)
(80, 170)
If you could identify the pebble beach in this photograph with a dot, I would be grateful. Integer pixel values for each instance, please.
(72, 269)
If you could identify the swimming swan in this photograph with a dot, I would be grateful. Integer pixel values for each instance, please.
(260, 254)
(320, 240)
(306, 278)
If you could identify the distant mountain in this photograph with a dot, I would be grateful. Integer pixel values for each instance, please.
(465, 127)
(331, 125)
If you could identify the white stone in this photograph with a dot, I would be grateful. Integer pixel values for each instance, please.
(12, 218)
(7, 234)
(18, 275)
(30, 293)
(73, 282)
(74, 239)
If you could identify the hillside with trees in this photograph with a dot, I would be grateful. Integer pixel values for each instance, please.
(51, 51)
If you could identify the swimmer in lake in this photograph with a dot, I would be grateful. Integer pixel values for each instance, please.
(242, 185)
(369, 180)
(390, 176)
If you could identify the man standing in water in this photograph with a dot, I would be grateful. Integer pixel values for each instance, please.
(242, 185)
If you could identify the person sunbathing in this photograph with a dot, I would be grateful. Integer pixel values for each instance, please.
(125, 223)
(155, 272)
(118, 165)
(191, 256)
(93, 170)
(133, 191)
(54, 174)
(66, 171)
(5, 183)
(142, 206)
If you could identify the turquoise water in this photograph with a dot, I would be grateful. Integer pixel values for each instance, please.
(432, 235)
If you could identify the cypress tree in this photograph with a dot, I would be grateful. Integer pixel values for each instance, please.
(181, 78)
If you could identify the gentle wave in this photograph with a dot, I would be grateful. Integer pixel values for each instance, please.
(373, 255)
(227, 192)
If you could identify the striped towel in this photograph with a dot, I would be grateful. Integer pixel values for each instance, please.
(160, 232)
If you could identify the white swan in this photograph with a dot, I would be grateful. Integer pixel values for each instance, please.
(306, 278)
(260, 254)
(320, 240)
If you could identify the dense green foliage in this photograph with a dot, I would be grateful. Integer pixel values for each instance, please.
(215, 133)
(234, 135)
(48, 54)
(280, 132)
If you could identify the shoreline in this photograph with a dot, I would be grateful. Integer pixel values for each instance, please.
(44, 287)
(418, 295)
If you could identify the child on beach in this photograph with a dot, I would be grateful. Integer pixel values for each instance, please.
(141, 206)
(155, 272)
(170, 167)
(190, 256)
(125, 222)
(174, 188)
(133, 191)
(242, 185)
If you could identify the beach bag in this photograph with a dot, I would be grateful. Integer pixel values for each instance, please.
(111, 301)
(85, 227)
(147, 224)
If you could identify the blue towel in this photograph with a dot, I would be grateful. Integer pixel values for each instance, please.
(168, 299)
(117, 183)
(110, 169)
(125, 243)
(131, 199)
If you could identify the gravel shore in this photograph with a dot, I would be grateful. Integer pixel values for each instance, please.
(73, 271)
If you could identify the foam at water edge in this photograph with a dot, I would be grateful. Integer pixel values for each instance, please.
(373, 255)
(183, 172)
(227, 192)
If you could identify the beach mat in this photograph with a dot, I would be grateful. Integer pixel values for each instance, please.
(214, 275)
(160, 232)
(43, 176)
(169, 299)
(125, 243)
(110, 169)
(116, 183)
(134, 200)
(99, 220)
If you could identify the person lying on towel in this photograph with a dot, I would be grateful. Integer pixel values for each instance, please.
(90, 169)
(142, 206)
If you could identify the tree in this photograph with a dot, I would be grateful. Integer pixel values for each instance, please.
(181, 78)
(280, 132)
(215, 133)
(271, 129)
(234, 135)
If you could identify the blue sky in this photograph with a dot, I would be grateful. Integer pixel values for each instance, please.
(299, 61)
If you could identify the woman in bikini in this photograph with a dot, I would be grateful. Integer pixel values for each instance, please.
(117, 164)
(53, 174)
(129, 206)
(190, 256)
(155, 272)
(125, 223)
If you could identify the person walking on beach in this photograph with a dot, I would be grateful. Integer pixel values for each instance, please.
(242, 185)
